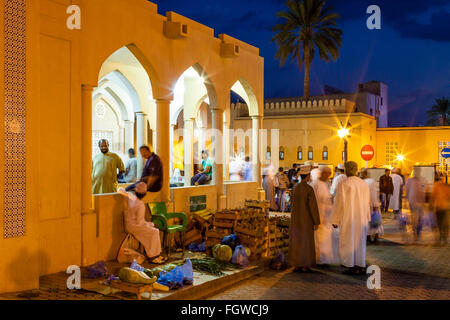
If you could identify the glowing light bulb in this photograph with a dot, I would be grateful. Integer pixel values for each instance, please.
(343, 132)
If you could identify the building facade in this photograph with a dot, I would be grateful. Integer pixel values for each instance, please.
(115, 75)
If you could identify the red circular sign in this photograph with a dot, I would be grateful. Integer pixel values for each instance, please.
(367, 152)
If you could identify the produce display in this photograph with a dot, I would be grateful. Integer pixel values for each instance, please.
(224, 253)
(212, 266)
(260, 234)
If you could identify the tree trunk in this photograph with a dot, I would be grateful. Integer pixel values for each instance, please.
(306, 81)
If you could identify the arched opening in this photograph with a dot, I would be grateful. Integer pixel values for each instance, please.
(123, 113)
(191, 126)
(242, 152)
(299, 153)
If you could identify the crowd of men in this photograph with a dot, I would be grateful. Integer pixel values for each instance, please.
(331, 222)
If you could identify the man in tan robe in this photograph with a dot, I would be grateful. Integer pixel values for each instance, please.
(305, 220)
(106, 168)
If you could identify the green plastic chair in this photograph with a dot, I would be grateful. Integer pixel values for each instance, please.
(160, 217)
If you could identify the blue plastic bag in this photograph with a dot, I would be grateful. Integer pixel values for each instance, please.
(97, 270)
(376, 219)
(240, 257)
(197, 247)
(279, 262)
(188, 272)
(135, 266)
(172, 279)
(232, 241)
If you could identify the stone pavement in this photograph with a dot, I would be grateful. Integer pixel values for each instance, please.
(409, 270)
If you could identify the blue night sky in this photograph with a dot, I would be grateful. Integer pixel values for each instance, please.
(411, 52)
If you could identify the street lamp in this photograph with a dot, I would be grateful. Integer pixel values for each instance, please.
(344, 133)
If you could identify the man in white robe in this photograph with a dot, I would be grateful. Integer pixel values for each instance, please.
(323, 235)
(351, 212)
(338, 179)
(374, 231)
(145, 232)
(394, 203)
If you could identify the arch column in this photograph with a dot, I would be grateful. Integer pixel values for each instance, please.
(188, 150)
(172, 158)
(86, 154)
(163, 143)
(226, 150)
(141, 139)
(257, 124)
(129, 132)
(217, 136)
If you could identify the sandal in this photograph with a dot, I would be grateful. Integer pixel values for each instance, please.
(159, 260)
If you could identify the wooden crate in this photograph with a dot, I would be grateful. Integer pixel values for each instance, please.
(132, 287)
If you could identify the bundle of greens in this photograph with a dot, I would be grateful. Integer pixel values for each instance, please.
(212, 266)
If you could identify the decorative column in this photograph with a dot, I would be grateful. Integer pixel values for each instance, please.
(217, 136)
(86, 154)
(141, 139)
(129, 132)
(172, 157)
(163, 142)
(188, 150)
(257, 123)
(226, 150)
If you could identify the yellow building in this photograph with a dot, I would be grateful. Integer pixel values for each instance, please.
(78, 71)
(314, 137)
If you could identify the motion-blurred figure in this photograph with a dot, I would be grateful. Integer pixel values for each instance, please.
(415, 193)
(282, 184)
(323, 235)
(376, 223)
(396, 198)
(386, 190)
(338, 178)
(269, 185)
(441, 203)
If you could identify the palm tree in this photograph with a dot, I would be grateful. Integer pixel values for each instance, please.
(439, 114)
(307, 24)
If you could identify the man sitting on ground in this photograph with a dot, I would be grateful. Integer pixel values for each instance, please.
(145, 232)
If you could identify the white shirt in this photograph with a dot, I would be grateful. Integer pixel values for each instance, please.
(334, 186)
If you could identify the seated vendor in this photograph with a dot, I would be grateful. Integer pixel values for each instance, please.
(145, 232)
(152, 174)
(205, 173)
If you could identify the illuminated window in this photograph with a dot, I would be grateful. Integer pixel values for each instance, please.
(325, 153)
(310, 153)
(268, 153)
(299, 153)
(391, 153)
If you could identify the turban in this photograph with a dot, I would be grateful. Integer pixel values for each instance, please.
(141, 188)
(351, 168)
(305, 170)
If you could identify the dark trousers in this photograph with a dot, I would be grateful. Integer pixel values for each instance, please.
(200, 178)
(442, 222)
(385, 197)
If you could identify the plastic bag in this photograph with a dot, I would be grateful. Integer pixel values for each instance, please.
(240, 257)
(376, 219)
(188, 272)
(197, 247)
(429, 220)
(279, 262)
(136, 266)
(172, 279)
(97, 270)
(232, 241)
(130, 249)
